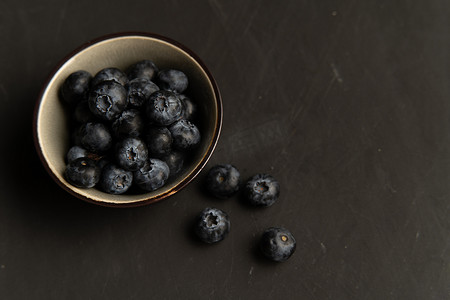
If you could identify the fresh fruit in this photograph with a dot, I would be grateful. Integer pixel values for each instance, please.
(76, 86)
(212, 225)
(82, 172)
(159, 141)
(164, 108)
(115, 180)
(139, 90)
(262, 190)
(185, 134)
(277, 244)
(129, 124)
(223, 181)
(110, 74)
(190, 108)
(120, 126)
(142, 69)
(175, 160)
(108, 100)
(152, 175)
(94, 137)
(131, 153)
(172, 80)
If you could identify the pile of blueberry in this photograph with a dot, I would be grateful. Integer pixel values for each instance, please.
(130, 129)
(213, 225)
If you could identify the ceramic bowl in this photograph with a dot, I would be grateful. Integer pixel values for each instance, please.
(51, 129)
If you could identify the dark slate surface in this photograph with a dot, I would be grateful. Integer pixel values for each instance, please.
(347, 103)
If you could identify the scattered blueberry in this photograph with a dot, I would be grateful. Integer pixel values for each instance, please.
(94, 137)
(142, 69)
(223, 181)
(164, 108)
(152, 175)
(212, 225)
(139, 90)
(82, 172)
(110, 74)
(107, 100)
(262, 190)
(277, 244)
(128, 124)
(131, 153)
(76, 86)
(115, 180)
(185, 134)
(75, 152)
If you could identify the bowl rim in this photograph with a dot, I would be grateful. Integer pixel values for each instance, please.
(185, 181)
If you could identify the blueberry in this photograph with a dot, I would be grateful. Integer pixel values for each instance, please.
(107, 100)
(131, 153)
(94, 137)
(185, 134)
(163, 108)
(190, 108)
(159, 141)
(277, 244)
(76, 152)
(110, 74)
(175, 161)
(152, 175)
(82, 113)
(262, 190)
(223, 181)
(142, 69)
(212, 225)
(76, 86)
(82, 172)
(172, 80)
(139, 90)
(115, 180)
(128, 124)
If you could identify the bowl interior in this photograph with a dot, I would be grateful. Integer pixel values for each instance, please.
(51, 119)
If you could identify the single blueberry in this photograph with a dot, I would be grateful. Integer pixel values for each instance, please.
(163, 108)
(131, 153)
(128, 124)
(94, 137)
(142, 69)
(139, 90)
(115, 180)
(185, 134)
(223, 181)
(190, 108)
(107, 100)
(76, 86)
(262, 190)
(159, 141)
(82, 172)
(172, 80)
(277, 244)
(152, 175)
(110, 74)
(76, 152)
(212, 225)
(175, 161)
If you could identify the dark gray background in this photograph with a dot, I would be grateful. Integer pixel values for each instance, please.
(346, 103)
